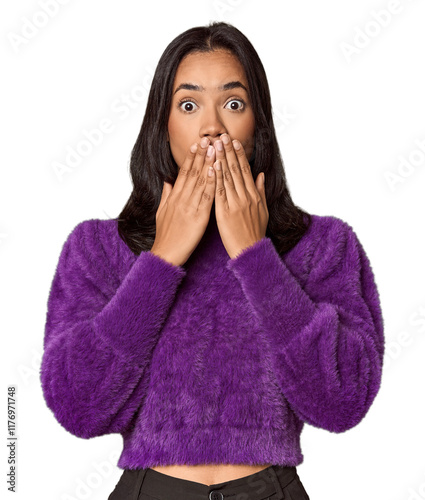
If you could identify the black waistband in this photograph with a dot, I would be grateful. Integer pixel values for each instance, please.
(260, 485)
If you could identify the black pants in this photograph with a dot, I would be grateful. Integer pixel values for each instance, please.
(273, 483)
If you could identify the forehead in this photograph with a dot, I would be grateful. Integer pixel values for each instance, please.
(209, 69)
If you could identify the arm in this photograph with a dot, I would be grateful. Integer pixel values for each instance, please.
(326, 338)
(100, 334)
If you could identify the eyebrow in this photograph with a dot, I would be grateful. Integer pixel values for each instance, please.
(226, 86)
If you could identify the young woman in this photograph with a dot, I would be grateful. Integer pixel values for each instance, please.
(213, 318)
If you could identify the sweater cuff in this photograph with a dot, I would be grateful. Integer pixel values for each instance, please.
(133, 318)
(274, 294)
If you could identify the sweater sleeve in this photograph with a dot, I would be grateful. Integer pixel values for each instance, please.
(100, 333)
(326, 337)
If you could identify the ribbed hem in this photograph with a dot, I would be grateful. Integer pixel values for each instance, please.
(205, 446)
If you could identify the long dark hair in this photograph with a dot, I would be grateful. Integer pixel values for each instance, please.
(151, 160)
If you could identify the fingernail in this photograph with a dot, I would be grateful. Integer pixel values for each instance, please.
(210, 150)
(219, 145)
(237, 145)
(194, 148)
(225, 138)
(210, 171)
(218, 165)
(204, 142)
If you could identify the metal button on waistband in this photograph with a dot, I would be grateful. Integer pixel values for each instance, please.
(216, 495)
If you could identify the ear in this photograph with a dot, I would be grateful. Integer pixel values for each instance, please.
(260, 185)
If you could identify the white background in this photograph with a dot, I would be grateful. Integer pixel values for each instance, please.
(345, 124)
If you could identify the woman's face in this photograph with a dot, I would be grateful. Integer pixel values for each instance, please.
(208, 110)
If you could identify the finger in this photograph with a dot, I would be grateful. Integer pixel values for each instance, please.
(208, 194)
(219, 151)
(262, 191)
(220, 190)
(266, 208)
(232, 174)
(222, 156)
(204, 188)
(198, 173)
(260, 187)
(244, 168)
(191, 167)
(166, 189)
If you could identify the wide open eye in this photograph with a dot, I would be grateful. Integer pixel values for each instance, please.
(186, 105)
(239, 108)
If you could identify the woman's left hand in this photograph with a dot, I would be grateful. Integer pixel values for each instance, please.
(240, 204)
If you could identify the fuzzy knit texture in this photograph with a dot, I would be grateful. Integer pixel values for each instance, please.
(219, 360)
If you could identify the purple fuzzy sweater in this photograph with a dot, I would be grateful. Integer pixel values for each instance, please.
(219, 360)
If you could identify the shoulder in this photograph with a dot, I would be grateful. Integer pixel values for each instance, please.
(95, 235)
(326, 237)
(320, 243)
(328, 226)
(323, 232)
(96, 243)
(330, 231)
(335, 243)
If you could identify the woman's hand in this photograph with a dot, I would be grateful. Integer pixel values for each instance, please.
(184, 210)
(240, 204)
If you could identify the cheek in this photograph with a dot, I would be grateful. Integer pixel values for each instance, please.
(244, 127)
(246, 135)
(178, 139)
(173, 128)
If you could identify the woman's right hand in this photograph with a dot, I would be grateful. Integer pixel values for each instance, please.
(184, 210)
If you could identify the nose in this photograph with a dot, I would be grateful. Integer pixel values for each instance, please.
(212, 125)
